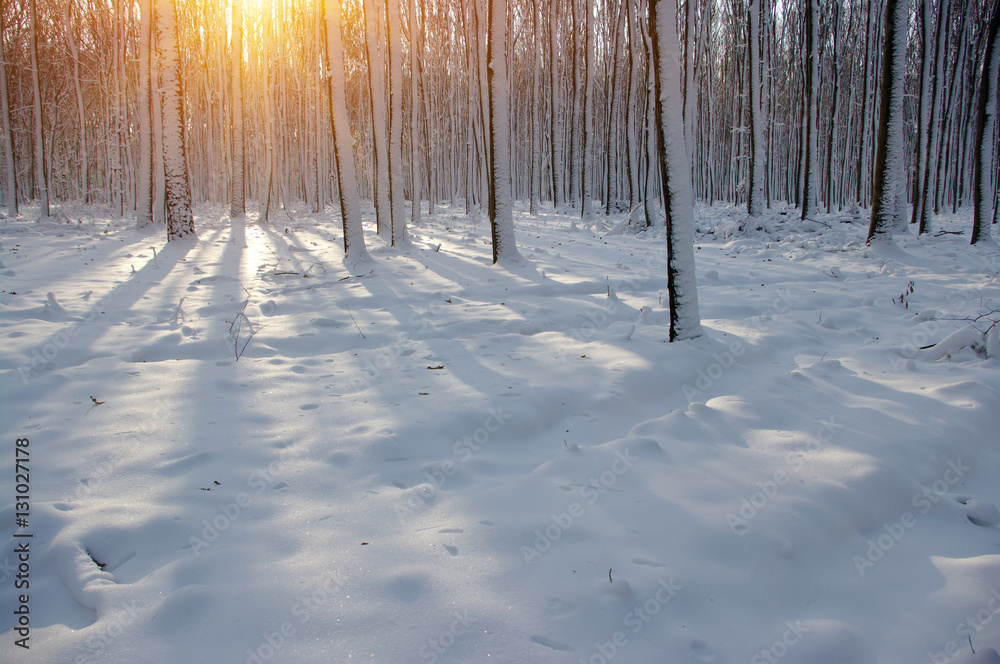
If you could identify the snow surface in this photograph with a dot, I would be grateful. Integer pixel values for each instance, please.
(438, 460)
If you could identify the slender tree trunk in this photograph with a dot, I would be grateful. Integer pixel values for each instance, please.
(536, 109)
(555, 110)
(678, 199)
(380, 127)
(985, 119)
(835, 111)
(587, 175)
(80, 108)
(41, 184)
(237, 193)
(927, 187)
(396, 193)
(144, 185)
(755, 199)
(10, 190)
(810, 187)
(415, 181)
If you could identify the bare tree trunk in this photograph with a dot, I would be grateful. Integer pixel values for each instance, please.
(985, 120)
(396, 125)
(887, 217)
(415, 181)
(180, 221)
(810, 186)
(237, 193)
(501, 195)
(536, 109)
(755, 198)
(10, 190)
(587, 175)
(555, 111)
(380, 127)
(41, 183)
(144, 185)
(685, 320)
(343, 141)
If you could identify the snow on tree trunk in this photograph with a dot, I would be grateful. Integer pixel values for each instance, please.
(343, 141)
(555, 111)
(631, 111)
(587, 175)
(887, 216)
(41, 183)
(928, 186)
(144, 184)
(923, 116)
(986, 118)
(237, 195)
(81, 109)
(755, 200)
(536, 109)
(501, 198)
(10, 190)
(415, 181)
(177, 189)
(685, 320)
(380, 127)
(810, 185)
(396, 193)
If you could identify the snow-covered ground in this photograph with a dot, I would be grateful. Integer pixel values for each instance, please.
(437, 460)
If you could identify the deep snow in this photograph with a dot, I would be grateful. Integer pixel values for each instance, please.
(438, 460)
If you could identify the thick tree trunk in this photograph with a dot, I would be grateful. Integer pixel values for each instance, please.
(501, 203)
(180, 221)
(985, 120)
(396, 193)
(343, 141)
(685, 320)
(887, 217)
(810, 186)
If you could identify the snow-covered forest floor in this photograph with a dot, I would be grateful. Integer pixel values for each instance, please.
(437, 460)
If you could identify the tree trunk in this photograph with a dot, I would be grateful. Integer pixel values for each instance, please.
(755, 198)
(180, 221)
(685, 321)
(887, 217)
(810, 186)
(501, 203)
(396, 193)
(985, 120)
(343, 141)
(41, 183)
(144, 185)
(380, 127)
(237, 192)
(10, 190)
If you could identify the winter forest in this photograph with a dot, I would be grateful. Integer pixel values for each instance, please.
(569, 331)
